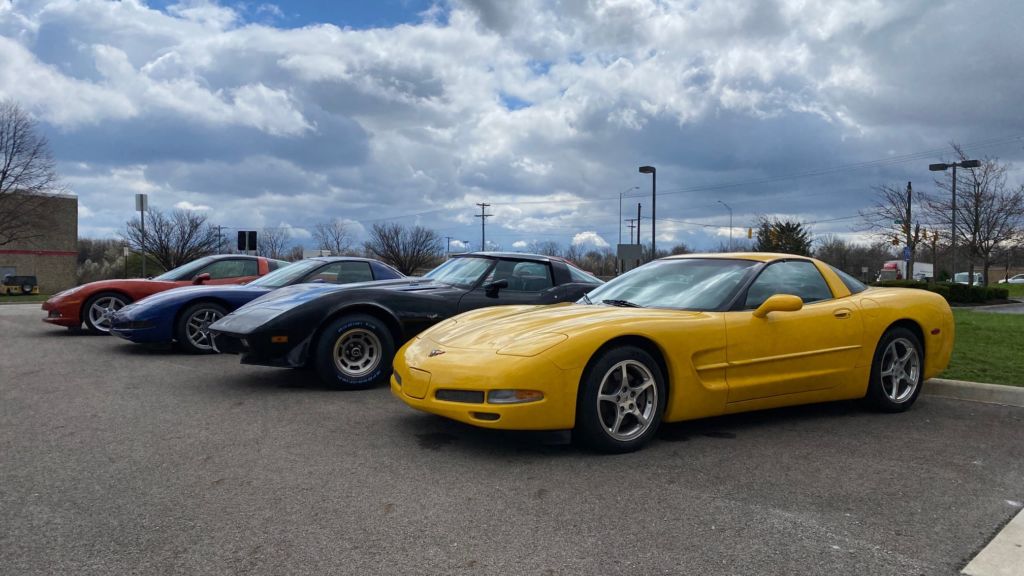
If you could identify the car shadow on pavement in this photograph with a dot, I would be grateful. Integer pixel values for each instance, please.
(261, 377)
(436, 433)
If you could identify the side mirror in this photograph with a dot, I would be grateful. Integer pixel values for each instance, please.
(492, 288)
(779, 303)
(205, 276)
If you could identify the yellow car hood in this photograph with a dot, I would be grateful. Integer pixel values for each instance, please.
(505, 326)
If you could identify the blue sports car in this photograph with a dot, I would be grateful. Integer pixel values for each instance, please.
(182, 315)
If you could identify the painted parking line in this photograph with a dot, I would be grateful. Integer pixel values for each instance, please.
(1004, 555)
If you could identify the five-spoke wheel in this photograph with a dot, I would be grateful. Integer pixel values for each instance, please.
(192, 331)
(100, 308)
(896, 371)
(621, 400)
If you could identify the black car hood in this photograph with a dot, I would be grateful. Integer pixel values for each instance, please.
(291, 296)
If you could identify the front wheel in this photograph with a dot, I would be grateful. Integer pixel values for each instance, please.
(354, 352)
(896, 371)
(99, 309)
(192, 330)
(621, 401)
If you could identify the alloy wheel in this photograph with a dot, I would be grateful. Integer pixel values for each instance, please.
(357, 353)
(627, 400)
(901, 370)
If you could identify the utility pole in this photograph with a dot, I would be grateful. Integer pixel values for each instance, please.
(942, 168)
(448, 247)
(631, 226)
(220, 240)
(638, 226)
(483, 216)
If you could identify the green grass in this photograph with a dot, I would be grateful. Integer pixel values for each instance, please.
(19, 299)
(989, 348)
(1016, 290)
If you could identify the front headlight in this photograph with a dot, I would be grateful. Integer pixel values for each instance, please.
(533, 345)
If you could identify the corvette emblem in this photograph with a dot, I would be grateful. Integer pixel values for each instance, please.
(435, 352)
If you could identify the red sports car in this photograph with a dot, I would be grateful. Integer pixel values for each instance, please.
(93, 303)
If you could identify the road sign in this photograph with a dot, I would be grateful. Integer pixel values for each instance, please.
(906, 253)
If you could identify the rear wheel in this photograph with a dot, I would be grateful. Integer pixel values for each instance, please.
(98, 310)
(621, 401)
(192, 330)
(896, 372)
(354, 352)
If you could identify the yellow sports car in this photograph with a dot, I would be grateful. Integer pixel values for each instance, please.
(680, 338)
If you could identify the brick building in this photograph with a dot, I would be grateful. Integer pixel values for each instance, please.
(52, 257)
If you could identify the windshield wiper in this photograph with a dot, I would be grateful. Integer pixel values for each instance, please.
(621, 303)
(587, 299)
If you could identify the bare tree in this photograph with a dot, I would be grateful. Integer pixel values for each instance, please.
(334, 236)
(544, 247)
(891, 218)
(174, 239)
(989, 214)
(27, 173)
(273, 243)
(406, 248)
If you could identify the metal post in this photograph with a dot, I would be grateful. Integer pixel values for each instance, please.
(142, 215)
(953, 242)
(638, 223)
(729, 208)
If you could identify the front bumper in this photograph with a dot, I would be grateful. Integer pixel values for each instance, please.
(257, 349)
(472, 374)
(64, 313)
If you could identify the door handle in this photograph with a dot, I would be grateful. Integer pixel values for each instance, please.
(842, 313)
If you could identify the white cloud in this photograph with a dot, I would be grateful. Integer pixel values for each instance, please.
(186, 205)
(589, 238)
(520, 244)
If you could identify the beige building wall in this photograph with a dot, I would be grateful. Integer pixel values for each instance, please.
(52, 257)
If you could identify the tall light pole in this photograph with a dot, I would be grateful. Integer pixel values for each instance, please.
(631, 188)
(942, 168)
(654, 205)
(729, 208)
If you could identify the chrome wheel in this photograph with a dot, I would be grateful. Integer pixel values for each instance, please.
(627, 400)
(357, 353)
(900, 370)
(197, 328)
(102, 309)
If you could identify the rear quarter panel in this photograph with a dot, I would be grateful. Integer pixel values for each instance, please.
(884, 307)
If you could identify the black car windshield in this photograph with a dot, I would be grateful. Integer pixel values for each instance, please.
(185, 271)
(687, 284)
(461, 272)
(287, 274)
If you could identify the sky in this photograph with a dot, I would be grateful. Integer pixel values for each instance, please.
(286, 114)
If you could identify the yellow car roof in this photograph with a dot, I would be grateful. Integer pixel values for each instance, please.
(757, 256)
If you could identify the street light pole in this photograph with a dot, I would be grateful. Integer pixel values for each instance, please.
(727, 207)
(654, 206)
(942, 168)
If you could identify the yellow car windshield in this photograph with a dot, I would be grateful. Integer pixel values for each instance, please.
(688, 284)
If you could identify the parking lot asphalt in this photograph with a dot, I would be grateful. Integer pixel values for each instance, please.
(117, 459)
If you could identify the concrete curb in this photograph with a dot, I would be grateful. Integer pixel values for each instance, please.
(975, 391)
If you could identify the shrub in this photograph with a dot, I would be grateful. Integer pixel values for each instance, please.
(955, 293)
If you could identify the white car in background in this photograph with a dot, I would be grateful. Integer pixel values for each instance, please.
(1018, 279)
(962, 277)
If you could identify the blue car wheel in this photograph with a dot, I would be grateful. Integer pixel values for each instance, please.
(192, 330)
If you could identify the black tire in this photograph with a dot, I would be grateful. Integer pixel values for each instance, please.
(91, 324)
(593, 415)
(191, 329)
(895, 343)
(364, 350)
(26, 289)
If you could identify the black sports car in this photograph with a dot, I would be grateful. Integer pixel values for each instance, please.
(350, 333)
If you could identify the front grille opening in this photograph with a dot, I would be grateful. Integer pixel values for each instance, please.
(489, 416)
(463, 396)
